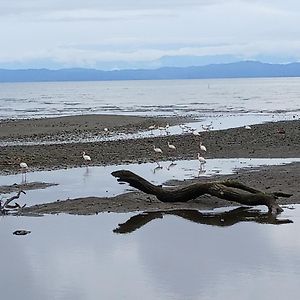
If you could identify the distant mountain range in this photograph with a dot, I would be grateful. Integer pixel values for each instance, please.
(243, 69)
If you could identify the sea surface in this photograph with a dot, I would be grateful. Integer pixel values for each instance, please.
(151, 97)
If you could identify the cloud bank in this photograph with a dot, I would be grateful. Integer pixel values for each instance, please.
(119, 33)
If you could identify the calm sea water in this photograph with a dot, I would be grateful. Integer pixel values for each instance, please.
(182, 255)
(164, 97)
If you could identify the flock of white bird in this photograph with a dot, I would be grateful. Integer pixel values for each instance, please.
(196, 133)
(202, 148)
(87, 159)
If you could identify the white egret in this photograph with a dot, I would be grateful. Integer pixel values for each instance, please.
(201, 159)
(161, 129)
(202, 147)
(171, 146)
(167, 128)
(207, 127)
(106, 131)
(157, 150)
(24, 169)
(151, 128)
(86, 157)
(195, 132)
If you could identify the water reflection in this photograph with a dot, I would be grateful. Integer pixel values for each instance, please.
(227, 218)
(78, 257)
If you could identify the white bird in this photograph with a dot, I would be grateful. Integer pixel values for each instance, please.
(195, 132)
(207, 127)
(151, 128)
(247, 127)
(161, 129)
(106, 130)
(201, 159)
(23, 166)
(171, 146)
(86, 157)
(157, 150)
(24, 169)
(202, 147)
(167, 128)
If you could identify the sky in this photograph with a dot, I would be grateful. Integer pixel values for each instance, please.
(120, 34)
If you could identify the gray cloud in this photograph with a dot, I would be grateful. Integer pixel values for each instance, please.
(86, 33)
(25, 6)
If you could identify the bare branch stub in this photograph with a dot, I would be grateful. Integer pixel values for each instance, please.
(6, 206)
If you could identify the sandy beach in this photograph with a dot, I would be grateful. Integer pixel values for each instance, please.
(270, 140)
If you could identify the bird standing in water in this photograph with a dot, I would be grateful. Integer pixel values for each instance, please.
(202, 160)
(86, 157)
(24, 169)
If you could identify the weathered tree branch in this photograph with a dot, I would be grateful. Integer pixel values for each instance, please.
(228, 190)
(6, 205)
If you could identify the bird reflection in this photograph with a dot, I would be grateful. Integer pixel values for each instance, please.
(201, 171)
(228, 218)
(171, 165)
(158, 167)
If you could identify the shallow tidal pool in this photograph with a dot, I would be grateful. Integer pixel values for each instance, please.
(173, 256)
(98, 181)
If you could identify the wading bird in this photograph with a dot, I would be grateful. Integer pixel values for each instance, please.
(106, 131)
(171, 146)
(195, 132)
(85, 157)
(157, 150)
(202, 147)
(161, 129)
(201, 159)
(24, 169)
(207, 127)
(151, 128)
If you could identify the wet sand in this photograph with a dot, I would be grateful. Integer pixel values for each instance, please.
(262, 141)
(271, 140)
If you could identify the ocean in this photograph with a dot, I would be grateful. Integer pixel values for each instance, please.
(151, 98)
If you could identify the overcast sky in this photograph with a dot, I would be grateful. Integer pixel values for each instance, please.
(77, 33)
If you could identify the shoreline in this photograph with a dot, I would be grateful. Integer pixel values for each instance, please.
(268, 140)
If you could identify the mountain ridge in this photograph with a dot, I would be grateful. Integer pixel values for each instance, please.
(241, 69)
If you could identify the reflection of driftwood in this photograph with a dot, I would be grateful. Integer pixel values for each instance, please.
(5, 207)
(228, 218)
(229, 190)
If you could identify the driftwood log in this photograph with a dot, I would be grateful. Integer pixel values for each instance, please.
(230, 190)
